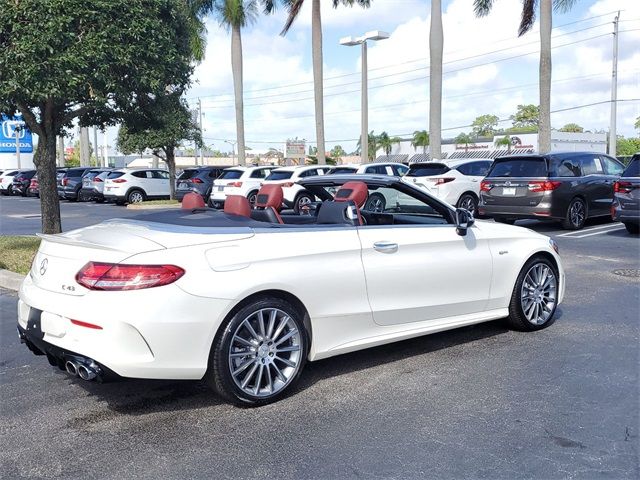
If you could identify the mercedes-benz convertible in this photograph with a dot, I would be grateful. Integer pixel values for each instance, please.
(242, 298)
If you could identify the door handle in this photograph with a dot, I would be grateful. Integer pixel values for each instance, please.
(385, 247)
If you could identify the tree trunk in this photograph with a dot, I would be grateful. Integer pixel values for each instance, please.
(318, 90)
(45, 161)
(436, 41)
(170, 160)
(236, 67)
(544, 124)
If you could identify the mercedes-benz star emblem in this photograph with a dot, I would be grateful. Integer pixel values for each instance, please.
(43, 266)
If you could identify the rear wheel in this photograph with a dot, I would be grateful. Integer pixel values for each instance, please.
(252, 197)
(135, 196)
(302, 200)
(632, 227)
(535, 296)
(469, 202)
(260, 352)
(375, 203)
(576, 215)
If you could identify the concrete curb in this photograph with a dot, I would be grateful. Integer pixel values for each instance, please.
(138, 206)
(10, 280)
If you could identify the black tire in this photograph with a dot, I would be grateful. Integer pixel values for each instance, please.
(375, 203)
(470, 202)
(576, 215)
(219, 375)
(252, 197)
(302, 199)
(136, 196)
(508, 221)
(632, 228)
(517, 319)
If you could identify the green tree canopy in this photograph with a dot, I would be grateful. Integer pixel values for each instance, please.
(526, 116)
(572, 127)
(337, 152)
(420, 139)
(373, 146)
(464, 139)
(637, 124)
(92, 62)
(627, 146)
(162, 126)
(485, 125)
(386, 142)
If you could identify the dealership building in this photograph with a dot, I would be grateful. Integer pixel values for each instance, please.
(485, 147)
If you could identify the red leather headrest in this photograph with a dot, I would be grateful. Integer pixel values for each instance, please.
(270, 195)
(355, 191)
(191, 201)
(237, 205)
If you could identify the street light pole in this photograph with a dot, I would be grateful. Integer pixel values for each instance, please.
(17, 132)
(201, 131)
(613, 136)
(233, 151)
(364, 131)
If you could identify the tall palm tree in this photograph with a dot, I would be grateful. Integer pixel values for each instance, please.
(436, 41)
(373, 145)
(420, 139)
(504, 142)
(386, 142)
(483, 7)
(294, 7)
(234, 15)
(464, 139)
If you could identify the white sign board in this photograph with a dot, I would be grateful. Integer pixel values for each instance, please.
(295, 149)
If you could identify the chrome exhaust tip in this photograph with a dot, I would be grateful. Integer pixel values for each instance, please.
(86, 373)
(72, 368)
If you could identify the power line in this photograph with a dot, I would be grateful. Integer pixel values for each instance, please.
(416, 60)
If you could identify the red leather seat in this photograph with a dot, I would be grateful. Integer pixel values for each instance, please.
(268, 204)
(192, 201)
(237, 205)
(356, 192)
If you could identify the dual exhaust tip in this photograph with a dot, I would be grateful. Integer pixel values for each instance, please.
(86, 370)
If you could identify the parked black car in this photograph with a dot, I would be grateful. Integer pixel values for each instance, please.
(70, 182)
(89, 190)
(626, 201)
(21, 182)
(198, 180)
(569, 187)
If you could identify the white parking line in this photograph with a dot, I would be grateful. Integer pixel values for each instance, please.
(617, 227)
(579, 233)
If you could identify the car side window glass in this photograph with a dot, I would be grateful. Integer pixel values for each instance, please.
(162, 175)
(400, 170)
(311, 173)
(139, 174)
(613, 167)
(591, 165)
(466, 169)
(213, 174)
(569, 167)
(388, 170)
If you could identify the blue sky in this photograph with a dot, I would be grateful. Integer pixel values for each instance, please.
(480, 75)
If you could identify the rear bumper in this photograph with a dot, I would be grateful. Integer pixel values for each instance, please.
(626, 215)
(540, 212)
(181, 193)
(114, 198)
(141, 336)
(91, 194)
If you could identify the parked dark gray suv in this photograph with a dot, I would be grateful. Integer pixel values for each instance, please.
(198, 180)
(626, 202)
(569, 187)
(70, 182)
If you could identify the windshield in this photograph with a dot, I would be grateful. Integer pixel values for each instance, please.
(518, 167)
(633, 170)
(187, 174)
(279, 175)
(427, 169)
(231, 175)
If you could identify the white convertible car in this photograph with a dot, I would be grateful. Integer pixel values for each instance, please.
(243, 298)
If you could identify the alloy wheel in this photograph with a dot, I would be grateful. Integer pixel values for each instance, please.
(468, 203)
(135, 197)
(302, 201)
(265, 352)
(577, 213)
(538, 293)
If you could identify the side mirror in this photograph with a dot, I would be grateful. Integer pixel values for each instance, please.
(464, 220)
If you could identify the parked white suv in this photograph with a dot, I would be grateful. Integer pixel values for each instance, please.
(381, 168)
(136, 185)
(243, 181)
(456, 182)
(6, 181)
(295, 196)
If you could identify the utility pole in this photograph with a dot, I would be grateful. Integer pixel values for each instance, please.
(105, 149)
(96, 149)
(84, 147)
(201, 130)
(17, 132)
(364, 109)
(614, 90)
(60, 151)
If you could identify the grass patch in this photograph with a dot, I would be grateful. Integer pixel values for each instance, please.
(17, 252)
(160, 202)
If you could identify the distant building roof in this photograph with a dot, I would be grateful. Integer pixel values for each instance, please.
(400, 158)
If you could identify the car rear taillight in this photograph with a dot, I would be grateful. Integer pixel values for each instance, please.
(234, 184)
(97, 179)
(622, 187)
(33, 184)
(543, 186)
(119, 180)
(112, 276)
(196, 180)
(440, 181)
(64, 181)
(485, 186)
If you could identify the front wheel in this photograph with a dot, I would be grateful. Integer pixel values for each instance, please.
(135, 196)
(632, 228)
(470, 203)
(260, 352)
(300, 202)
(375, 203)
(535, 296)
(252, 197)
(576, 215)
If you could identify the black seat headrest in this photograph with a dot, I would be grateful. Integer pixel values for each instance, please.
(338, 213)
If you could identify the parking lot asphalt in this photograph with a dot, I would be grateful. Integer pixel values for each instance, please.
(477, 402)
